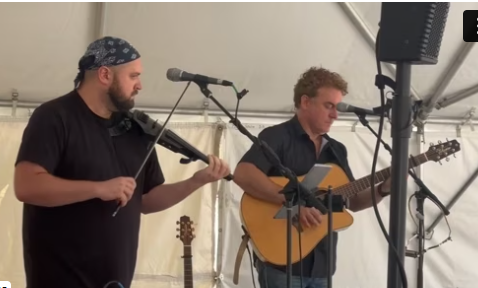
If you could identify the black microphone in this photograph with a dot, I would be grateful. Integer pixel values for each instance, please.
(344, 107)
(376, 111)
(169, 139)
(178, 75)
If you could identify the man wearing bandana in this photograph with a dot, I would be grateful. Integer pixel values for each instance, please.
(71, 173)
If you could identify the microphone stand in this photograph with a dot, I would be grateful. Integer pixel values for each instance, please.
(292, 190)
(420, 195)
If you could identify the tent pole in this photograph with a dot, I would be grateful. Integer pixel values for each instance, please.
(454, 200)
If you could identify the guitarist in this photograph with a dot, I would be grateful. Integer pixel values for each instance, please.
(300, 143)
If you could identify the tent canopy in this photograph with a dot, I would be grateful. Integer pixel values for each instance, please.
(262, 47)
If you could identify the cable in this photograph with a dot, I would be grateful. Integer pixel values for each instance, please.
(414, 221)
(374, 164)
(113, 282)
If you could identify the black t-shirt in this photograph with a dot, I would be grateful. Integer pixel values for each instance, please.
(81, 245)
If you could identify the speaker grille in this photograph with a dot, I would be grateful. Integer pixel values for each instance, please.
(412, 32)
(436, 27)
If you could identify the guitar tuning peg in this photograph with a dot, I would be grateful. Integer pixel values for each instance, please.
(447, 139)
(447, 159)
(440, 162)
(454, 155)
(177, 229)
(431, 144)
(177, 222)
(177, 236)
(439, 142)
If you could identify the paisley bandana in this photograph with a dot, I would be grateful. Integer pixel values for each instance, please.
(107, 51)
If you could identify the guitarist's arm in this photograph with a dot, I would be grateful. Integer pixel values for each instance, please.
(363, 199)
(251, 172)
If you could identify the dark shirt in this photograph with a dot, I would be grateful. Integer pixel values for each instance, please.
(81, 245)
(297, 152)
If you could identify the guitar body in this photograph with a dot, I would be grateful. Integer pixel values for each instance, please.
(268, 235)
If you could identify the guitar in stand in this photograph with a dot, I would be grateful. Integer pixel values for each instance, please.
(186, 236)
(261, 222)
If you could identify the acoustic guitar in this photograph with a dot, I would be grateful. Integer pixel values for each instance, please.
(268, 235)
(186, 236)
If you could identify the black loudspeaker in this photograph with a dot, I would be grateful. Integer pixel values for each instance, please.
(411, 32)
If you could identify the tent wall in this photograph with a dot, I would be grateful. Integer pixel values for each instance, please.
(362, 257)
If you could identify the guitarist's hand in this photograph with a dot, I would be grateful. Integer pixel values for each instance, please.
(310, 217)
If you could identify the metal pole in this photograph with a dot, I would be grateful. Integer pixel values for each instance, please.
(454, 199)
(401, 134)
(444, 81)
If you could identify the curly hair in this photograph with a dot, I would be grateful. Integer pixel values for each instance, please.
(315, 78)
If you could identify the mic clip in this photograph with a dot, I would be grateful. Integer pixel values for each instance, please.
(241, 94)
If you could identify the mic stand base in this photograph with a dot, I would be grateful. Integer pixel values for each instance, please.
(401, 133)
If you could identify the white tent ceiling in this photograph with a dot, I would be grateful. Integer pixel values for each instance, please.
(262, 47)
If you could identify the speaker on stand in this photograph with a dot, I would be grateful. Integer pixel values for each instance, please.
(410, 34)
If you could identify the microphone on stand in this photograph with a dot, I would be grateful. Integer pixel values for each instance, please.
(376, 111)
(178, 75)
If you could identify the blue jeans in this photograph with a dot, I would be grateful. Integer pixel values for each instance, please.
(270, 277)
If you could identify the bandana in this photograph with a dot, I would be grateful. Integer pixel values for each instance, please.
(107, 51)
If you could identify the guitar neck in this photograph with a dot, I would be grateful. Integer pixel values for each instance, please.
(188, 267)
(353, 188)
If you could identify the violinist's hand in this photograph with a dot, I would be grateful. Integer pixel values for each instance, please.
(216, 170)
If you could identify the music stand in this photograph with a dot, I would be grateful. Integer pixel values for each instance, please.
(311, 180)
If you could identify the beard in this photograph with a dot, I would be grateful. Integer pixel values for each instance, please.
(119, 99)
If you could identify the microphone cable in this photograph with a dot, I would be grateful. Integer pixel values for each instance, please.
(374, 164)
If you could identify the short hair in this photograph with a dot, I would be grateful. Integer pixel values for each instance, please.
(315, 78)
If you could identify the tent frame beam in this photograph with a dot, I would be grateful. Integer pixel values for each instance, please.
(455, 198)
(367, 35)
(249, 113)
(444, 81)
(456, 97)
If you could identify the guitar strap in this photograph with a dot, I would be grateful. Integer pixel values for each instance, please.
(240, 254)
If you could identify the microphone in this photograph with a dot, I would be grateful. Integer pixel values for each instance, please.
(169, 139)
(376, 111)
(178, 75)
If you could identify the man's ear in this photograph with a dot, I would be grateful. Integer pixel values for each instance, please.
(105, 75)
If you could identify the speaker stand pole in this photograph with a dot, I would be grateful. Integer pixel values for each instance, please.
(401, 133)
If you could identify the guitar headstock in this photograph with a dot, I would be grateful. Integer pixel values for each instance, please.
(442, 150)
(185, 229)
